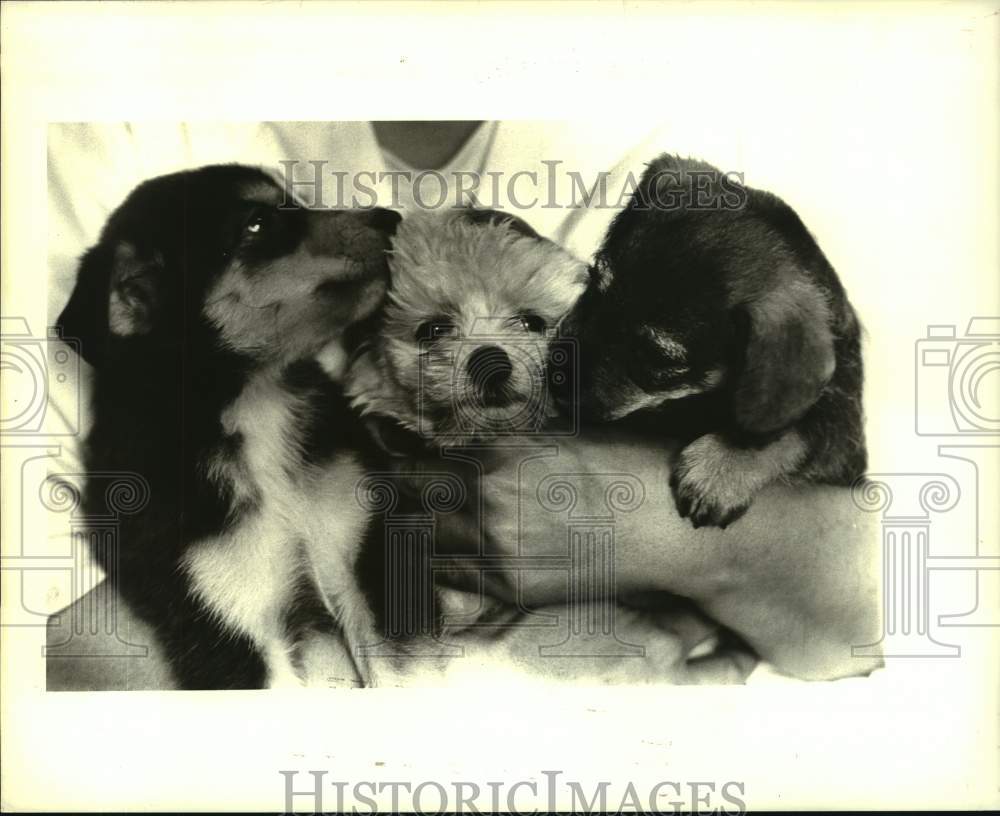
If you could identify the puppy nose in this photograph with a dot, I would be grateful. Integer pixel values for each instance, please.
(489, 368)
(384, 220)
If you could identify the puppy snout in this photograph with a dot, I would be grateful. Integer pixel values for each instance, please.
(360, 235)
(384, 220)
(345, 279)
(489, 369)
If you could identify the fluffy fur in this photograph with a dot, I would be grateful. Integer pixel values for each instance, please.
(713, 315)
(202, 308)
(476, 298)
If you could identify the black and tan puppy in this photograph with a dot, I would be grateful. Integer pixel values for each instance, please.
(202, 308)
(713, 313)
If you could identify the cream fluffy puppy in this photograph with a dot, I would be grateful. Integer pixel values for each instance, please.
(475, 302)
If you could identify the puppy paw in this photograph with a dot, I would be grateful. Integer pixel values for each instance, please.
(713, 484)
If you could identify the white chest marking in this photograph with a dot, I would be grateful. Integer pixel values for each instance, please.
(247, 575)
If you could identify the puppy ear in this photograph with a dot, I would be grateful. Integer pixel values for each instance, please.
(134, 292)
(789, 356)
(482, 215)
(367, 383)
(672, 182)
(116, 295)
(85, 316)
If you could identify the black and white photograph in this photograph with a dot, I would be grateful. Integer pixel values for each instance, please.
(495, 408)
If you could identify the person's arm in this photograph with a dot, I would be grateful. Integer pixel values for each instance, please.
(798, 577)
(123, 653)
(98, 644)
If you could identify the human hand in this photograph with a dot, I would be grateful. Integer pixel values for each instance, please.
(797, 576)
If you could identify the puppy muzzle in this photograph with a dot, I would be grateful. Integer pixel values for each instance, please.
(489, 369)
(359, 275)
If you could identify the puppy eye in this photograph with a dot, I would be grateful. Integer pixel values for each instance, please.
(436, 329)
(530, 323)
(258, 222)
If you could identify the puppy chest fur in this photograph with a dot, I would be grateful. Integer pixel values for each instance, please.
(279, 505)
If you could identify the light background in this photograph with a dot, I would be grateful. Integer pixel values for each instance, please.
(878, 123)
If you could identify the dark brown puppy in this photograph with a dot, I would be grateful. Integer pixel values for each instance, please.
(713, 313)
